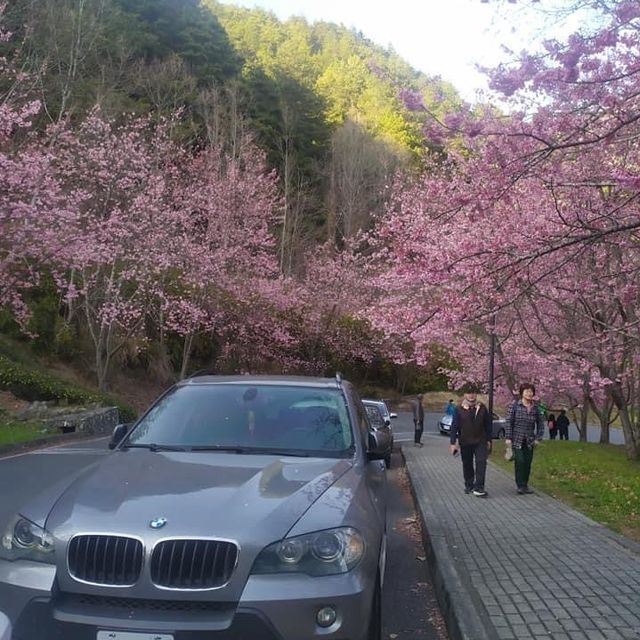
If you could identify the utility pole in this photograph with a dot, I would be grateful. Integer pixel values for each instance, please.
(492, 357)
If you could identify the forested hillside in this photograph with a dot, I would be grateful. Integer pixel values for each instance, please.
(180, 177)
(320, 99)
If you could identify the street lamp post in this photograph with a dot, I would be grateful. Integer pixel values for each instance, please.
(492, 357)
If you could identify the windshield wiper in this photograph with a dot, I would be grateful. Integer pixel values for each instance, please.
(220, 447)
(260, 450)
(152, 446)
(298, 453)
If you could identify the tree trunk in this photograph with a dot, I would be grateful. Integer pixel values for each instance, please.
(102, 362)
(604, 416)
(604, 430)
(186, 355)
(581, 422)
(631, 431)
(584, 418)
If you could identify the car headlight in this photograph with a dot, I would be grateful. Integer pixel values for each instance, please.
(320, 553)
(26, 540)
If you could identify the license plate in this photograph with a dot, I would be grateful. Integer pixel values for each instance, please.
(132, 635)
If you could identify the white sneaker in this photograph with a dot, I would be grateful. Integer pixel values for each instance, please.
(480, 494)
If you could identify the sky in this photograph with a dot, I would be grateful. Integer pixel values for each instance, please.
(445, 38)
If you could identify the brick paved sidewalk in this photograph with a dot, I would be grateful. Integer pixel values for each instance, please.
(520, 567)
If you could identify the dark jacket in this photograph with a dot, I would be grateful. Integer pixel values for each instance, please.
(418, 413)
(471, 426)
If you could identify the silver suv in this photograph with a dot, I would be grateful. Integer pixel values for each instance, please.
(235, 508)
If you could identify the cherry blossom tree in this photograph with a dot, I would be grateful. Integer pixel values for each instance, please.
(27, 188)
(119, 241)
(225, 207)
(533, 219)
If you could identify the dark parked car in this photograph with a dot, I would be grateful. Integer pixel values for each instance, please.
(380, 422)
(235, 508)
(444, 425)
(383, 406)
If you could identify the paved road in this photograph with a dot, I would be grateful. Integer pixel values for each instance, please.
(593, 434)
(403, 428)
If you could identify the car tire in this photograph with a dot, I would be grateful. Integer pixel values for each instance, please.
(501, 434)
(375, 620)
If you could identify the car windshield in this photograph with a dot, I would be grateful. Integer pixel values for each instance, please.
(247, 418)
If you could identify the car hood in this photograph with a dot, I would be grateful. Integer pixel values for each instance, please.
(206, 494)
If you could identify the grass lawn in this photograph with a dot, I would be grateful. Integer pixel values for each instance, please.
(594, 479)
(16, 431)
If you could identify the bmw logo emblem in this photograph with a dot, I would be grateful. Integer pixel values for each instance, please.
(158, 523)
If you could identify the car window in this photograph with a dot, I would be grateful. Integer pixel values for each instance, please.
(375, 416)
(385, 409)
(249, 416)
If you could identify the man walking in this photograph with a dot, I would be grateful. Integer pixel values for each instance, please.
(471, 432)
(418, 421)
(562, 425)
(524, 430)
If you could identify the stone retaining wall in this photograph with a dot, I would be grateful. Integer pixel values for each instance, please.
(92, 423)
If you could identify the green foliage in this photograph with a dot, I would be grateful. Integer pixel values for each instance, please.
(48, 332)
(16, 431)
(182, 27)
(375, 392)
(44, 305)
(596, 479)
(30, 384)
(288, 118)
(429, 380)
(337, 64)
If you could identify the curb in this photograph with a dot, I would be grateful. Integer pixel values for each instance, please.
(463, 612)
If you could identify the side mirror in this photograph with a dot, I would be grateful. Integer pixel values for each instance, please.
(393, 415)
(387, 422)
(119, 432)
(379, 445)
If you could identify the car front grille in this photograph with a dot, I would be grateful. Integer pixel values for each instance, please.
(108, 560)
(193, 564)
